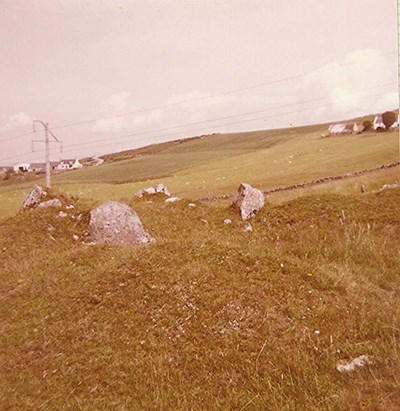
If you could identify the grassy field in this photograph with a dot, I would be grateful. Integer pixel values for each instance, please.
(209, 317)
(217, 164)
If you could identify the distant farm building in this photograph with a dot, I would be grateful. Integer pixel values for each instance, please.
(378, 122)
(71, 164)
(62, 165)
(41, 167)
(21, 167)
(340, 129)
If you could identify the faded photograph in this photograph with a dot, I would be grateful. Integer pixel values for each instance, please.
(199, 205)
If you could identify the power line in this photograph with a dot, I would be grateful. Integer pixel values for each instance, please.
(208, 127)
(212, 120)
(17, 136)
(110, 140)
(213, 96)
(232, 91)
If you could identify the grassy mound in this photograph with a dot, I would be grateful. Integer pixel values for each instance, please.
(209, 317)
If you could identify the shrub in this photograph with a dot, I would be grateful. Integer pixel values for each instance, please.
(388, 118)
(367, 125)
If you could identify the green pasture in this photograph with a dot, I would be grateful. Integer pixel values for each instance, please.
(215, 165)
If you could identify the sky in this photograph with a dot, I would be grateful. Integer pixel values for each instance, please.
(109, 75)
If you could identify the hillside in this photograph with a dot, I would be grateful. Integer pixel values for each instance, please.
(208, 317)
(215, 165)
(218, 164)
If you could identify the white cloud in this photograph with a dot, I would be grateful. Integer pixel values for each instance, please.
(112, 108)
(119, 115)
(362, 83)
(117, 103)
(16, 121)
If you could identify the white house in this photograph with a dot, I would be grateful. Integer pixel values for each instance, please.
(69, 164)
(22, 167)
(378, 123)
(336, 129)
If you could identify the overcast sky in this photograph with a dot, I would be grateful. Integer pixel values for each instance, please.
(142, 71)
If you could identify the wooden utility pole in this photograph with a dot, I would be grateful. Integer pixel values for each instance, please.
(47, 131)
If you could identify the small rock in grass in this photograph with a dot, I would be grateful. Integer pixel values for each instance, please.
(62, 214)
(69, 206)
(161, 188)
(191, 205)
(50, 228)
(352, 365)
(75, 237)
(248, 228)
(55, 202)
(172, 199)
(148, 190)
(227, 221)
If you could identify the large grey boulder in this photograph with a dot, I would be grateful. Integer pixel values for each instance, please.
(33, 199)
(117, 224)
(248, 200)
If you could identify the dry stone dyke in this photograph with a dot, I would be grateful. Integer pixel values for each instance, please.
(117, 224)
(248, 201)
(389, 187)
(314, 182)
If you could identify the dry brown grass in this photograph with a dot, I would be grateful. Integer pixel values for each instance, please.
(209, 317)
